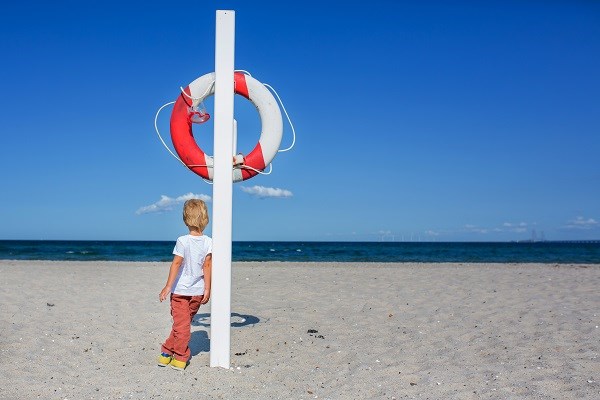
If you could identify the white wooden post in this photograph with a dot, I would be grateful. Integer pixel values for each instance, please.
(234, 136)
(220, 312)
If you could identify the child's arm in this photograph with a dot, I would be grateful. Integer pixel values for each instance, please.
(207, 269)
(173, 271)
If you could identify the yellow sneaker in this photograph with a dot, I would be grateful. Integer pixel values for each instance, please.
(178, 365)
(164, 359)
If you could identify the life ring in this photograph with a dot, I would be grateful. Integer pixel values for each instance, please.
(244, 167)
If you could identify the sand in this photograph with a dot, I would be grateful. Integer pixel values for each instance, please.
(92, 330)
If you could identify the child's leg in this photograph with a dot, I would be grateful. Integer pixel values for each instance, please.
(183, 308)
(195, 305)
(179, 307)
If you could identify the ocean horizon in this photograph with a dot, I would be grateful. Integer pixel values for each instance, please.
(577, 252)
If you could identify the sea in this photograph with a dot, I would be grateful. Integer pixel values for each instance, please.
(425, 252)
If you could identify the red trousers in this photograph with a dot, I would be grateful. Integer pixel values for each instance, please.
(183, 309)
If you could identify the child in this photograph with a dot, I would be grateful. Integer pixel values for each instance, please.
(188, 284)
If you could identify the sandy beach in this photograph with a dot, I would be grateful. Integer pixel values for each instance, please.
(92, 330)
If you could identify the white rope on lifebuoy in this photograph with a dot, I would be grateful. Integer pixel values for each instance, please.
(265, 150)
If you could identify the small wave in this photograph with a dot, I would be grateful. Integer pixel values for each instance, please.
(271, 249)
(299, 250)
(70, 252)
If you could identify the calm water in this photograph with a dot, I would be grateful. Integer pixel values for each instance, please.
(545, 252)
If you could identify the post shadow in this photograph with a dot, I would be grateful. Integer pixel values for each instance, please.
(199, 343)
(238, 320)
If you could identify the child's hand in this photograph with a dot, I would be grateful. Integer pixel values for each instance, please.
(206, 297)
(164, 293)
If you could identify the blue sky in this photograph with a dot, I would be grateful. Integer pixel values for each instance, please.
(419, 120)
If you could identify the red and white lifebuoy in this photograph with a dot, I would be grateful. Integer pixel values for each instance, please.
(270, 137)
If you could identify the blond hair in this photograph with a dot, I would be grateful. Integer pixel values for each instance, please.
(195, 214)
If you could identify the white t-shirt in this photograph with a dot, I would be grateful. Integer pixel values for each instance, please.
(193, 249)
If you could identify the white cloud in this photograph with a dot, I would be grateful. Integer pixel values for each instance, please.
(167, 203)
(582, 223)
(513, 227)
(510, 224)
(264, 192)
(475, 229)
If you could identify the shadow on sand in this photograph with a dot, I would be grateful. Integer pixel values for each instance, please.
(237, 320)
(200, 343)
